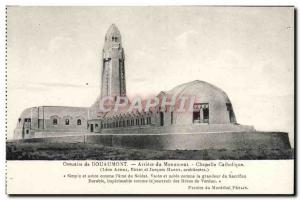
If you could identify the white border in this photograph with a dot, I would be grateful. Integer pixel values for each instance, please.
(4, 3)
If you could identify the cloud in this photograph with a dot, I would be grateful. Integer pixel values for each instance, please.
(59, 42)
(184, 38)
(48, 85)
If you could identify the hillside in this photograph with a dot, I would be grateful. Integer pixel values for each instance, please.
(81, 151)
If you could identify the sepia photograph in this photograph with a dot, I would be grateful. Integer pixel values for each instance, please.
(138, 83)
(160, 99)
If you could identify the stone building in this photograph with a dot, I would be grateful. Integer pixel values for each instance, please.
(49, 121)
(211, 110)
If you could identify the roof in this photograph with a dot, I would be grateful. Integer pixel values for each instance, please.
(113, 30)
(201, 89)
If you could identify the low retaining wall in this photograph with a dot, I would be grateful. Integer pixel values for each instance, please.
(182, 141)
(194, 128)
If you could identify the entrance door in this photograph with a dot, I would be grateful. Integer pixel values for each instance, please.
(92, 127)
(230, 112)
(161, 118)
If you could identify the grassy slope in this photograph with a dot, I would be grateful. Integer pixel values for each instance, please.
(80, 151)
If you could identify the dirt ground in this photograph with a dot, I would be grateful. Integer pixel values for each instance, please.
(81, 151)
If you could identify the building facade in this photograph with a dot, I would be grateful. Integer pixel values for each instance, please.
(211, 109)
(48, 121)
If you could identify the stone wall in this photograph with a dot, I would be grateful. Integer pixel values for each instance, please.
(191, 141)
(193, 128)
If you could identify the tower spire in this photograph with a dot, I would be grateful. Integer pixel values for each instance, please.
(113, 69)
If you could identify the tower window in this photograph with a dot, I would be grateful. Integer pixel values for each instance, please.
(19, 120)
(114, 39)
(78, 121)
(54, 121)
(67, 122)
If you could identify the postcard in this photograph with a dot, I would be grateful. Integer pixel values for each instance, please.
(164, 100)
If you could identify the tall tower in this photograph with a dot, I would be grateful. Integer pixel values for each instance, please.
(113, 69)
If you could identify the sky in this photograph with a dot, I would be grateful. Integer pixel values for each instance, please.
(54, 56)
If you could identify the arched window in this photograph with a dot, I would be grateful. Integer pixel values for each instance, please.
(67, 122)
(78, 121)
(54, 121)
(96, 125)
(114, 39)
